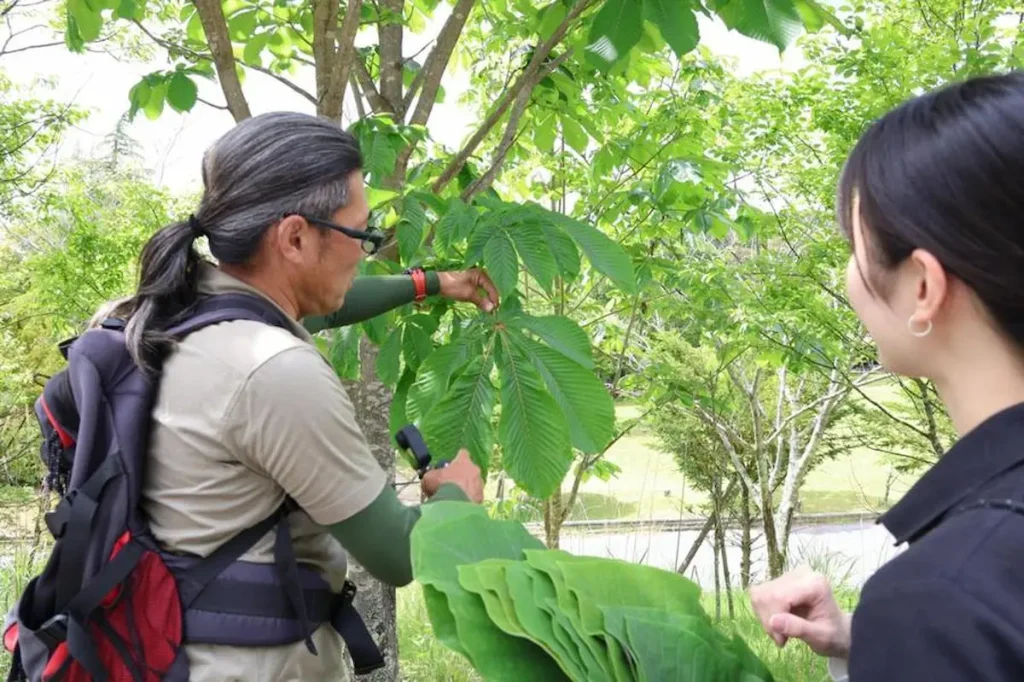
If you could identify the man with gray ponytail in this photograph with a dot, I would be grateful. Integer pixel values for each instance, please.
(249, 415)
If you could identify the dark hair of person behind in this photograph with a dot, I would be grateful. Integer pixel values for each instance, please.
(944, 172)
(260, 170)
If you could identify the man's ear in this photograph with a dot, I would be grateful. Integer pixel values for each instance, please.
(932, 285)
(291, 237)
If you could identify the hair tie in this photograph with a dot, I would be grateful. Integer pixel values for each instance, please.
(197, 229)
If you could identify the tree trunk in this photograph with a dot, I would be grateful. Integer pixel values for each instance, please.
(776, 561)
(718, 585)
(746, 521)
(553, 519)
(374, 600)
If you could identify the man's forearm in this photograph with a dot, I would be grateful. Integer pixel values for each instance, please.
(378, 537)
(371, 296)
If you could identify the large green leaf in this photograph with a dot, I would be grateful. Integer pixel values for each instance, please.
(561, 333)
(462, 418)
(388, 357)
(574, 134)
(434, 374)
(584, 400)
(533, 431)
(181, 92)
(772, 21)
(533, 249)
(617, 27)
(88, 20)
(410, 229)
(453, 534)
(562, 247)
(456, 224)
(501, 261)
(676, 23)
(604, 254)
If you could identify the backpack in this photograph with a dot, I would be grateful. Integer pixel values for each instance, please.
(110, 603)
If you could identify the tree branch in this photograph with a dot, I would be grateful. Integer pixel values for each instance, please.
(509, 96)
(377, 103)
(284, 81)
(512, 129)
(216, 28)
(437, 62)
(389, 30)
(339, 66)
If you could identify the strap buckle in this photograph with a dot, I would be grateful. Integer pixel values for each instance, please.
(57, 520)
(54, 631)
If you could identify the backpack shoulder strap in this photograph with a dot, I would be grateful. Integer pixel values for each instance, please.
(225, 307)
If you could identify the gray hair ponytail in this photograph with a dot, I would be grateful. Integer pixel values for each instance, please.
(261, 169)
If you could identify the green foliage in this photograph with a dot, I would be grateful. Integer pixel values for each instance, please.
(516, 611)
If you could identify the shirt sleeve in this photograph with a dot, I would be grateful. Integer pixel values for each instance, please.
(370, 296)
(930, 630)
(293, 422)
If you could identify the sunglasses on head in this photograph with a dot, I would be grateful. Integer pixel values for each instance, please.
(371, 239)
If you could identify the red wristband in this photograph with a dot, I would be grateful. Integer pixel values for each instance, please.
(419, 280)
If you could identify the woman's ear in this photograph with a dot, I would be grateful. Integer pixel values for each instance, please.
(931, 286)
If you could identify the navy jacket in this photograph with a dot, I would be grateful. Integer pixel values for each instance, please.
(951, 607)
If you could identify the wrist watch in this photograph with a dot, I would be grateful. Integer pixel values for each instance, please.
(419, 280)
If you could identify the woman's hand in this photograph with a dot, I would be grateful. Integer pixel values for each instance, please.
(465, 285)
(800, 604)
(462, 472)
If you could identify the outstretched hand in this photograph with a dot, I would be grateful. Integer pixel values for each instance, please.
(800, 605)
(465, 285)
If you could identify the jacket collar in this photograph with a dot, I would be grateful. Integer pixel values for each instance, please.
(992, 448)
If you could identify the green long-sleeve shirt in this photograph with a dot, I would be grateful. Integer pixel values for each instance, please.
(378, 536)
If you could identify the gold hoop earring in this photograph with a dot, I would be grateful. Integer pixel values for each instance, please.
(921, 334)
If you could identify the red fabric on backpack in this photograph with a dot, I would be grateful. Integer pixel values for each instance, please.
(145, 614)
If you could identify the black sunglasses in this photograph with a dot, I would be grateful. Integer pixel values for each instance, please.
(372, 239)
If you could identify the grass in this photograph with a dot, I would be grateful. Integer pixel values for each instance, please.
(425, 659)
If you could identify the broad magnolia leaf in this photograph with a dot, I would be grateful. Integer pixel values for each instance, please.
(462, 418)
(492, 590)
(772, 21)
(533, 431)
(584, 400)
(676, 23)
(452, 534)
(617, 27)
(604, 254)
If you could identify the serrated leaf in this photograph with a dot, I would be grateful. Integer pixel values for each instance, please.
(344, 352)
(533, 431)
(676, 23)
(501, 261)
(605, 255)
(462, 418)
(377, 197)
(561, 334)
(567, 256)
(388, 366)
(181, 92)
(409, 236)
(574, 134)
(482, 233)
(588, 408)
(416, 345)
(535, 252)
(381, 157)
(617, 27)
(456, 223)
(772, 21)
(435, 373)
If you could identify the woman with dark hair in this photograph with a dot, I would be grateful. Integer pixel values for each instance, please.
(249, 414)
(932, 202)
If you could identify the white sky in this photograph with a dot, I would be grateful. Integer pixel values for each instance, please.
(173, 144)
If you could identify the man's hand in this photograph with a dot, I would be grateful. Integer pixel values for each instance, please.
(465, 285)
(462, 472)
(800, 604)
